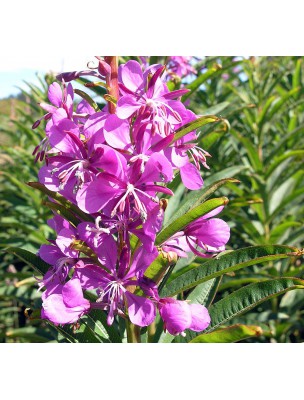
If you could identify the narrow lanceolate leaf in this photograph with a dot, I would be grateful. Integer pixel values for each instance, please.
(193, 86)
(34, 261)
(61, 200)
(63, 212)
(249, 297)
(205, 292)
(226, 263)
(232, 334)
(158, 268)
(196, 198)
(192, 126)
(86, 97)
(30, 333)
(201, 292)
(194, 213)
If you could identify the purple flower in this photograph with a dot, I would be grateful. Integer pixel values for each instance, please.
(111, 193)
(206, 233)
(179, 315)
(66, 304)
(114, 286)
(181, 65)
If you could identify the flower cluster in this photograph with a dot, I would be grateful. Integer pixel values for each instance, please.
(115, 164)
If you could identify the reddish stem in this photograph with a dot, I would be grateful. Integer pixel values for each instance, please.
(112, 81)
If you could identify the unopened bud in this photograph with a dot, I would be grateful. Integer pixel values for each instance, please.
(103, 68)
(36, 124)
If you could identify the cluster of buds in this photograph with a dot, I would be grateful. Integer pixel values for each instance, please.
(115, 164)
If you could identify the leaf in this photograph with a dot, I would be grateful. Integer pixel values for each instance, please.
(62, 200)
(226, 263)
(232, 334)
(201, 292)
(251, 151)
(194, 213)
(249, 297)
(197, 197)
(191, 126)
(86, 97)
(158, 268)
(63, 212)
(277, 160)
(193, 86)
(30, 333)
(34, 261)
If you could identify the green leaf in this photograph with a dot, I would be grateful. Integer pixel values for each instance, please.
(30, 333)
(193, 86)
(231, 334)
(251, 151)
(204, 292)
(158, 268)
(86, 97)
(194, 213)
(34, 261)
(278, 160)
(296, 78)
(197, 197)
(62, 200)
(191, 126)
(226, 263)
(63, 212)
(249, 297)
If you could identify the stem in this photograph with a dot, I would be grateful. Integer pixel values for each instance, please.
(112, 81)
(151, 332)
(133, 332)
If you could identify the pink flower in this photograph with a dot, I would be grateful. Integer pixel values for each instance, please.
(179, 315)
(66, 304)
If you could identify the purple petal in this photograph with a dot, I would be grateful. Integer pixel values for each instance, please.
(95, 195)
(126, 106)
(141, 261)
(64, 240)
(107, 253)
(157, 169)
(55, 94)
(142, 311)
(200, 317)
(214, 232)
(55, 310)
(131, 75)
(191, 177)
(94, 125)
(73, 296)
(50, 254)
(117, 133)
(176, 315)
(214, 212)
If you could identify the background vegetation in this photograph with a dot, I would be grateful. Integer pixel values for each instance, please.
(263, 100)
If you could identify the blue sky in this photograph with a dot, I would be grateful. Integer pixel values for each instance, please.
(11, 80)
(13, 76)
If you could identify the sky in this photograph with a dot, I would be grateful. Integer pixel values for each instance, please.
(12, 76)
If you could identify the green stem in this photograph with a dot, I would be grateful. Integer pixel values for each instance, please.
(151, 332)
(133, 332)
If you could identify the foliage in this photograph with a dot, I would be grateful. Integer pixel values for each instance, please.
(256, 164)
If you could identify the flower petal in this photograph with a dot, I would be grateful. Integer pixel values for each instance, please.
(191, 177)
(200, 317)
(142, 311)
(55, 94)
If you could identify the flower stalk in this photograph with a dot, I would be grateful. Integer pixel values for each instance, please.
(112, 81)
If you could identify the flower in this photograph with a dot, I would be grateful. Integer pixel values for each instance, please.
(66, 304)
(179, 315)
